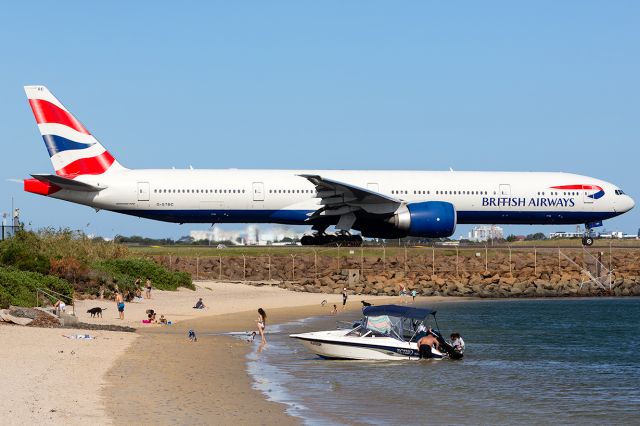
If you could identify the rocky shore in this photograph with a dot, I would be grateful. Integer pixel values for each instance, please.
(470, 272)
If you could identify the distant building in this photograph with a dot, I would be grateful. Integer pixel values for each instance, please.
(563, 234)
(251, 235)
(485, 233)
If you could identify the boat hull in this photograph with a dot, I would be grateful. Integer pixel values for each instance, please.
(332, 347)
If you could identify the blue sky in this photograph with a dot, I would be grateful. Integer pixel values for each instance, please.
(546, 85)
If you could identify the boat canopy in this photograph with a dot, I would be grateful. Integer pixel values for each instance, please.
(398, 311)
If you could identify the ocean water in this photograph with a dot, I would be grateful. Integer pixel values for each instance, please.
(556, 361)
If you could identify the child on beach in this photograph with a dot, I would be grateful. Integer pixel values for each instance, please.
(334, 311)
(192, 336)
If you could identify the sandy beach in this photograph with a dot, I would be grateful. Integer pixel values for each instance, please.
(154, 375)
(46, 378)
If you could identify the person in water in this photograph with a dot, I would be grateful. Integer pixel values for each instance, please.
(262, 323)
(457, 342)
(426, 343)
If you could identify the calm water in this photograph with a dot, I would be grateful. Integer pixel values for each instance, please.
(536, 361)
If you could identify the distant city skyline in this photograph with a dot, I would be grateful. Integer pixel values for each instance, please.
(549, 86)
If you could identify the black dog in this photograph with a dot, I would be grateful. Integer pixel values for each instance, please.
(364, 304)
(96, 312)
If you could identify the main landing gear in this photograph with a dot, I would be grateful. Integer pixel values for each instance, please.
(341, 239)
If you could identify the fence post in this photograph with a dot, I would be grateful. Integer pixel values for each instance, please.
(169, 262)
(486, 259)
(244, 268)
(384, 258)
(535, 261)
(559, 267)
(433, 260)
(361, 263)
(220, 268)
(509, 260)
(609, 260)
(405, 259)
(293, 267)
(457, 270)
(197, 267)
(269, 256)
(338, 268)
(315, 263)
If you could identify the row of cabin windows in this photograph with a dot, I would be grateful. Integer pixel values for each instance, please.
(570, 193)
(290, 191)
(198, 191)
(421, 192)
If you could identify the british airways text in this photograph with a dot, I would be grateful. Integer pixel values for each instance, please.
(527, 202)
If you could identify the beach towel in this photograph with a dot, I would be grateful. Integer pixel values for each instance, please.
(79, 337)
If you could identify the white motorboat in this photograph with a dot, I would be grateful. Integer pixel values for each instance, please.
(386, 332)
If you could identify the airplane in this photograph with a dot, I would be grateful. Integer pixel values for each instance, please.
(378, 204)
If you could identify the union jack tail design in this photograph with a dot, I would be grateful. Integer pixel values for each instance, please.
(73, 150)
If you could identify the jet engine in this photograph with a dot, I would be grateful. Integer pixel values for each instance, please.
(429, 219)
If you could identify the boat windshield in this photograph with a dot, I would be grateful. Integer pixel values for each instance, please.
(400, 328)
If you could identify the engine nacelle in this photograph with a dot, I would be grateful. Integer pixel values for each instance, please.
(429, 219)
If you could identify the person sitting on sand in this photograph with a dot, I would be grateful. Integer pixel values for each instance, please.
(199, 304)
(192, 336)
(262, 323)
(163, 320)
(138, 297)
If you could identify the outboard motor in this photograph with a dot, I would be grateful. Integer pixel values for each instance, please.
(446, 347)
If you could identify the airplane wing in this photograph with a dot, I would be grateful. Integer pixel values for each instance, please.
(343, 199)
(66, 183)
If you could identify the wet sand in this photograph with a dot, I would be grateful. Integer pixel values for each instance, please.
(165, 379)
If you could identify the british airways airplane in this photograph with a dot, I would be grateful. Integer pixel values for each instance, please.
(379, 204)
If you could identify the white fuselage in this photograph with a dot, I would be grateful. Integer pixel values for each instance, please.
(282, 196)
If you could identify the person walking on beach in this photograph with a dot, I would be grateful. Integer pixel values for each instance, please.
(262, 323)
(413, 295)
(120, 305)
(148, 287)
(344, 297)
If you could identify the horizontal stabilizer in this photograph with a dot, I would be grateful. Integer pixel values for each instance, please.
(65, 183)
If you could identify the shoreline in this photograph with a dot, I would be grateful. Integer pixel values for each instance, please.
(172, 381)
(207, 381)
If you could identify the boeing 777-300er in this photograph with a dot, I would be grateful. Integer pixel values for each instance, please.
(379, 204)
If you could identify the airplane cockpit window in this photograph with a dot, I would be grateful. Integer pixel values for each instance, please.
(619, 192)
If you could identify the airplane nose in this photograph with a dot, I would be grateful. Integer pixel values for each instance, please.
(630, 203)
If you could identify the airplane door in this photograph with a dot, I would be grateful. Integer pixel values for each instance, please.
(258, 191)
(505, 190)
(372, 187)
(143, 191)
(585, 196)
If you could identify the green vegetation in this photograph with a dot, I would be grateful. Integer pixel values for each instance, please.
(18, 287)
(69, 261)
(127, 270)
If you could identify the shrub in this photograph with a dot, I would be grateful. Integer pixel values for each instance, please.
(23, 252)
(127, 270)
(19, 287)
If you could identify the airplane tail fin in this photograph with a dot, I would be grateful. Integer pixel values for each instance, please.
(73, 150)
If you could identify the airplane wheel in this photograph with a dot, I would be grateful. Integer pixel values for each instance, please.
(587, 241)
(307, 240)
